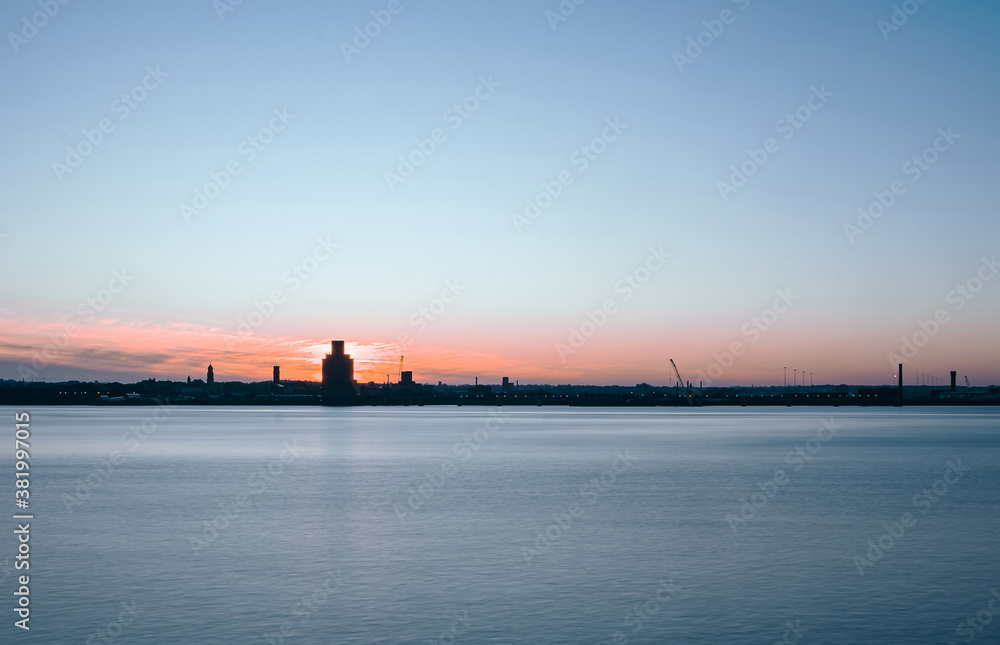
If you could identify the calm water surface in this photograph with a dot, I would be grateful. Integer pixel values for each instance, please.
(509, 525)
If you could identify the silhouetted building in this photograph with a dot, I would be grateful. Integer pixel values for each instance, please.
(507, 386)
(277, 374)
(406, 378)
(211, 375)
(954, 385)
(339, 386)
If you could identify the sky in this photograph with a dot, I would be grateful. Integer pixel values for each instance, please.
(557, 193)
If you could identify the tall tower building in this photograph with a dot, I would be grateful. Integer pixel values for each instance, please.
(211, 374)
(339, 386)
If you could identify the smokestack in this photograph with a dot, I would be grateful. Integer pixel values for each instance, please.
(277, 373)
(954, 375)
(900, 383)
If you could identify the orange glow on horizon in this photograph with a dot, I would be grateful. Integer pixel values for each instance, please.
(112, 349)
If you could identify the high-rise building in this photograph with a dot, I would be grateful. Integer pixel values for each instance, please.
(211, 375)
(339, 386)
(277, 374)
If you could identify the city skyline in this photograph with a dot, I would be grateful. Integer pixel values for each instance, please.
(674, 179)
(392, 369)
(528, 321)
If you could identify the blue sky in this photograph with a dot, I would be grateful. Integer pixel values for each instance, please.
(656, 184)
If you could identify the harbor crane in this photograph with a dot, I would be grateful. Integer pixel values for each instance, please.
(399, 374)
(680, 379)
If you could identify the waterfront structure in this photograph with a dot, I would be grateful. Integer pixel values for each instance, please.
(339, 386)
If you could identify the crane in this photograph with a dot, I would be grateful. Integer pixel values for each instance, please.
(399, 376)
(681, 380)
(967, 382)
